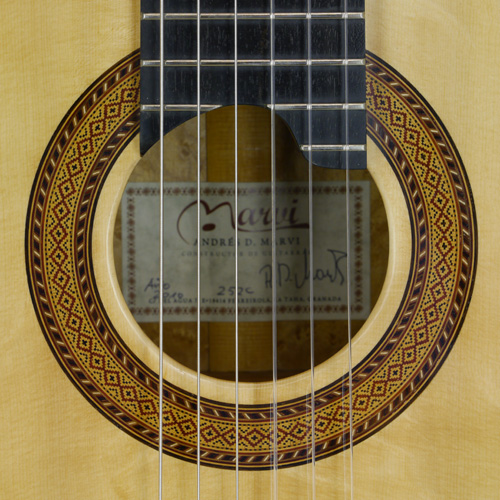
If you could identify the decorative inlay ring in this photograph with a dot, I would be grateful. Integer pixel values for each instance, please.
(91, 352)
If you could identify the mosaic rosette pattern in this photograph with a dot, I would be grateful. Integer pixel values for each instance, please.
(113, 379)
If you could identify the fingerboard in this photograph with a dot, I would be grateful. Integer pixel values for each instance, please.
(338, 116)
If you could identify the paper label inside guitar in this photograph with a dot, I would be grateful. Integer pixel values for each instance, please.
(140, 236)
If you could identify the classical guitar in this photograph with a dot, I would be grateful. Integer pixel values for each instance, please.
(321, 283)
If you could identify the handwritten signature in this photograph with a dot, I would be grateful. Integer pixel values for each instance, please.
(299, 276)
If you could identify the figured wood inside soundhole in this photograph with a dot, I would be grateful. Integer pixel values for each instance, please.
(254, 165)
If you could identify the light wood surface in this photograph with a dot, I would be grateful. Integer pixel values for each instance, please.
(56, 445)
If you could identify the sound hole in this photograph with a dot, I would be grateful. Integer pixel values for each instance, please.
(136, 248)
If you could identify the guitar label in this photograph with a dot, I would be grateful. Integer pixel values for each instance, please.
(284, 260)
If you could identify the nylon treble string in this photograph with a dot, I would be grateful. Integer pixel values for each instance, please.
(348, 242)
(161, 273)
(198, 254)
(311, 249)
(274, 431)
(236, 281)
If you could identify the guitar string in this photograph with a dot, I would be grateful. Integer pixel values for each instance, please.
(348, 244)
(273, 258)
(311, 249)
(236, 280)
(198, 253)
(160, 355)
(274, 298)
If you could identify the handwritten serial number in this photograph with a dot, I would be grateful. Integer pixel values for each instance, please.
(229, 291)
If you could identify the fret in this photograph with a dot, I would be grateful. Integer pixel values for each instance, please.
(179, 107)
(278, 107)
(337, 159)
(330, 61)
(255, 62)
(252, 16)
(332, 106)
(333, 147)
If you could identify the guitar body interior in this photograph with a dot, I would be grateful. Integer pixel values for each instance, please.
(444, 445)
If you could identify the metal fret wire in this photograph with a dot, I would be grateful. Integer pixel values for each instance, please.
(253, 62)
(311, 250)
(198, 259)
(298, 106)
(236, 281)
(273, 261)
(186, 16)
(348, 248)
(160, 355)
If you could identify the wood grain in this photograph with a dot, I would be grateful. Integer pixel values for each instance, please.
(55, 445)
